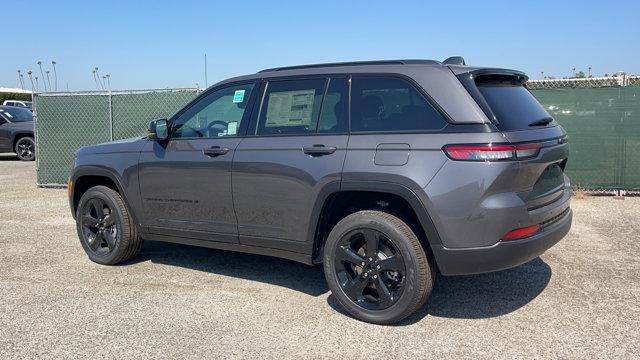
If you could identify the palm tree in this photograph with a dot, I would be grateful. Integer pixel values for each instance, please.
(55, 75)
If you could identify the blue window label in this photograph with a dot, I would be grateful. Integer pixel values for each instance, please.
(238, 96)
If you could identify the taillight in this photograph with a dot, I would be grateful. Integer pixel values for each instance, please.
(521, 232)
(525, 151)
(491, 152)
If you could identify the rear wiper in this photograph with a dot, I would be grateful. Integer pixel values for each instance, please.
(542, 122)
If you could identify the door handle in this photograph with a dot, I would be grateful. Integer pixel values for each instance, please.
(215, 151)
(319, 150)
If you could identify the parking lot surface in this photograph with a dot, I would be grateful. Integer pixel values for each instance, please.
(581, 299)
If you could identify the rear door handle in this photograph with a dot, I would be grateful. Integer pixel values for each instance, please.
(319, 150)
(215, 151)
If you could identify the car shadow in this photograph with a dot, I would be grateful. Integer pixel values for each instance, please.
(8, 157)
(481, 296)
(459, 297)
(276, 271)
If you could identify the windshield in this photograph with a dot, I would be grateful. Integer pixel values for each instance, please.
(513, 105)
(16, 114)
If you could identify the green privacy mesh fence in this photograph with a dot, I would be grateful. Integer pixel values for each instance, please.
(604, 133)
(67, 121)
(602, 117)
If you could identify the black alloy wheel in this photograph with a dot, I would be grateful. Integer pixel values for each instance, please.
(26, 149)
(107, 231)
(376, 267)
(99, 227)
(370, 269)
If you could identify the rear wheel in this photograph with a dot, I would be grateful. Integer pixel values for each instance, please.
(376, 267)
(105, 227)
(26, 149)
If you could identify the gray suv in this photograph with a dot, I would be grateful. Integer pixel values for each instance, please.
(386, 172)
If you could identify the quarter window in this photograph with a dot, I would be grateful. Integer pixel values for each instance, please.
(391, 104)
(291, 107)
(219, 114)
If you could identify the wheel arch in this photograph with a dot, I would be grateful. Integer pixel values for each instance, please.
(86, 177)
(19, 135)
(320, 225)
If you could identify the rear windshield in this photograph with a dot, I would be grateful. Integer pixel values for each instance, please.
(513, 105)
(16, 114)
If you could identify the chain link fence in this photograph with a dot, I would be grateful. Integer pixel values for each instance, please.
(68, 121)
(601, 116)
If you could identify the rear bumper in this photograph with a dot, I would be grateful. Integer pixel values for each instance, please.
(503, 254)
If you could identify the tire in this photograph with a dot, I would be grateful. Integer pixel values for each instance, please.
(399, 292)
(25, 149)
(105, 227)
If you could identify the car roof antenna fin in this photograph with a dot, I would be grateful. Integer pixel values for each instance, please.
(454, 60)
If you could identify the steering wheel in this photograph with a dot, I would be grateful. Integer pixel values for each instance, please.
(217, 124)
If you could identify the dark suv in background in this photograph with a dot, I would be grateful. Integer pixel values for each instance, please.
(16, 132)
(384, 171)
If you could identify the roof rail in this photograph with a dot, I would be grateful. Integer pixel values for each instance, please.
(353, 63)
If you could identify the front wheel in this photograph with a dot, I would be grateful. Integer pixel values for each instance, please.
(376, 267)
(106, 230)
(26, 149)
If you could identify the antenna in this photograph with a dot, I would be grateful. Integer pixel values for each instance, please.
(454, 60)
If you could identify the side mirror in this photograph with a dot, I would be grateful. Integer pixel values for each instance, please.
(158, 130)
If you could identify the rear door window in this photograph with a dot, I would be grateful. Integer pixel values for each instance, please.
(291, 107)
(334, 117)
(514, 107)
(391, 104)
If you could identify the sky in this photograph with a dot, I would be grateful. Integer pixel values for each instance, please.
(160, 44)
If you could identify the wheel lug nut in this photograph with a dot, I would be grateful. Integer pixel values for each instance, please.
(370, 259)
(366, 274)
(362, 263)
(378, 267)
(375, 276)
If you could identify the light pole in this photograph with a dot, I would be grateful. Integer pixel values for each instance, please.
(574, 72)
(48, 80)
(95, 70)
(108, 82)
(542, 75)
(33, 87)
(589, 71)
(37, 85)
(98, 77)
(42, 75)
(20, 80)
(55, 75)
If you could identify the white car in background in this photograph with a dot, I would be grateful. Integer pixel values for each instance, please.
(18, 103)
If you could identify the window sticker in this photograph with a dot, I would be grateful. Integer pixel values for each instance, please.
(290, 108)
(238, 96)
(232, 128)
